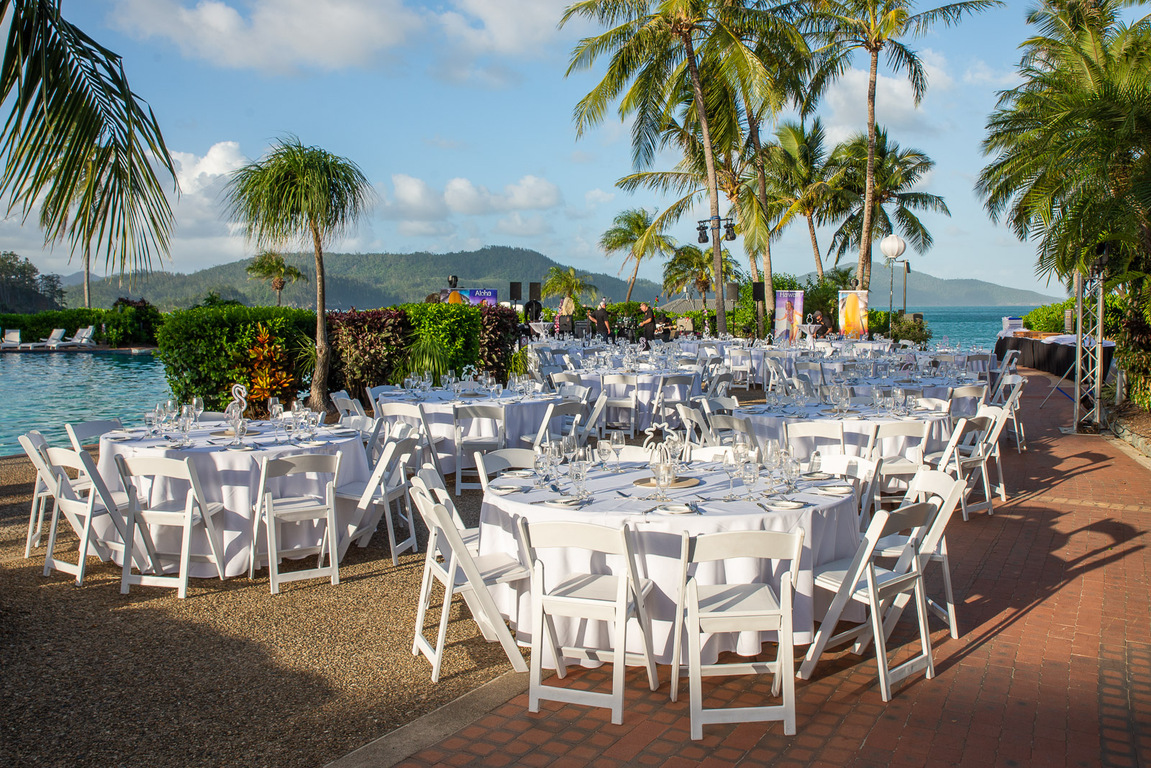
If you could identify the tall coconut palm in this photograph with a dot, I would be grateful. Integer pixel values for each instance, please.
(300, 194)
(634, 233)
(1070, 165)
(842, 27)
(896, 173)
(692, 268)
(655, 50)
(78, 144)
(800, 179)
(565, 282)
(270, 266)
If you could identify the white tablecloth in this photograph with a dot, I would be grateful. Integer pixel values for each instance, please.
(768, 425)
(830, 532)
(232, 478)
(647, 385)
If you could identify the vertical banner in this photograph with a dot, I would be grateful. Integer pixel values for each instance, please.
(788, 315)
(853, 313)
(474, 296)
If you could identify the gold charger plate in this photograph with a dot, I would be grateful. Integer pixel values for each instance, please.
(680, 482)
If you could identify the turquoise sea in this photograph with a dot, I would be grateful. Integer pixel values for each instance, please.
(45, 391)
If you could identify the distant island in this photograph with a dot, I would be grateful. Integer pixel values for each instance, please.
(369, 280)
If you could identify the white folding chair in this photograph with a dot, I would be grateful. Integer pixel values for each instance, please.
(374, 498)
(720, 385)
(736, 607)
(192, 515)
(614, 597)
(562, 378)
(729, 429)
(813, 371)
(695, 426)
(1009, 395)
(741, 372)
(720, 404)
(274, 510)
(898, 467)
(704, 453)
(566, 415)
(415, 416)
(593, 424)
(862, 580)
(621, 410)
(430, 483)
(459, 573)
(43, 488)
(965, 401)
(89, 432)
(805, 437)
(81, 511)
(494, 462)
(974, 443)
(346, 405)
(673, 390)
(863, 475)
(467, 417)
(943, 491)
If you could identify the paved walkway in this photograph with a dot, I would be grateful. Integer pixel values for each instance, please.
(1053, 666)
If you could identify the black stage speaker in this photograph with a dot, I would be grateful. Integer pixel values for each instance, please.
(535, 293)
(759, 291)
(516, 291)
(732, 292)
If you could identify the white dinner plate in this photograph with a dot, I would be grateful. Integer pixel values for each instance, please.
(517, 473)
(503, 489)
(783, 505)
(241, 448)
(564, 502)
(674, 509)
(816, 476)
(312, 443)
(835, 490)
(119, 438)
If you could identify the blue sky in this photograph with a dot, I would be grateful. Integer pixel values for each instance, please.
(460, 115)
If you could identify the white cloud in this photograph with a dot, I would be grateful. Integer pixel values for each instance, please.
(518, 225)
(415, 199)
(196, 173)
(503, 27)
(529, 193)
(597, 196)
(279, 36)
(979, 73)
(426, 228)
(845, 108)
(935, 66)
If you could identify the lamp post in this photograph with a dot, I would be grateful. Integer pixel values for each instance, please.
(702, 226)
(892, 247)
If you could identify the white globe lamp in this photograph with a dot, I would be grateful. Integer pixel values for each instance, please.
(891, 247)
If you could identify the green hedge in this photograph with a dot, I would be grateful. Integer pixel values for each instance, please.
(122, 326)
(1049, 318)
(206, 350)
(456, 327)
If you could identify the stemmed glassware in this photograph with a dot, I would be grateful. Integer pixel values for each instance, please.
(184, 424)
(276, 416)
(664, 474)
(604, 452)
(197, 408)
(790, 468)
(732, 468)
(749, 473)
(617, 444)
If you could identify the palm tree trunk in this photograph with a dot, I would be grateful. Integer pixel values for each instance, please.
(761, 193)
(631, 283)
(319, 396)
(864, 270)
(87, 276)
(712, 182)
(278, 297)
(815, 246)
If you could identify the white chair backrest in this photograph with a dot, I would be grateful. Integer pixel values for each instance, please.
(152, 467)
(825, 436)
(697, 431)
(82, 433)
(494, 462)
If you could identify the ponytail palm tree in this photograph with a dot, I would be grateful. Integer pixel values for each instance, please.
(635, 234)
(78, 144)
(300, 194)
(270, 266)
(655, 48)
(896, 172)
(842, 27)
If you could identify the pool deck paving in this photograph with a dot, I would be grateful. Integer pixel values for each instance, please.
(1052, 667)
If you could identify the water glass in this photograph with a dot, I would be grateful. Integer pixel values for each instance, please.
(150, 422)
(749, 473)
(197, 408)
(791, 473)
(664, 476)
(577, 473)
(617, 444)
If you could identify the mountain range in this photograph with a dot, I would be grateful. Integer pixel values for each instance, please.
(378, 280)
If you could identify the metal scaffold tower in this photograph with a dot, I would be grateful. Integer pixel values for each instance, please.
(1089, 373)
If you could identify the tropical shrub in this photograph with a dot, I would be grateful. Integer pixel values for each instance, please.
(367, 348)
(1049, 318)
(131, 322)
(1133, 346)
(207, 350)
(454, 327)
(268, 368)
(39, 325)
(499, 332)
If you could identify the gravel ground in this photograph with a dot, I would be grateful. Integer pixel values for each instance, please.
(229, 676)
(232, 675)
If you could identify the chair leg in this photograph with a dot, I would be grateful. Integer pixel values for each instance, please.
(694, 672)
(442, 631)
(391, 530)
(924, 630)
(129, 542)
(85, 539)
(880, 648)
(50, 552)
(948, 593)
(619, 665)
(272, 528)
(786, 661)
(330, 534)
(185, 556)
(425, 598)
(35, 523)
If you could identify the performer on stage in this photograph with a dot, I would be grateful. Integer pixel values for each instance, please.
(647, 322)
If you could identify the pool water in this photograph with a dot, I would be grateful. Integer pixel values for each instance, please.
(45, 391)
(967, 325)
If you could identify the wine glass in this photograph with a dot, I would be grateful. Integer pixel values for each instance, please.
(276, 416)
(540, 464)
(731, 467)
(150, 422)
(197, 408)
(661, 472)
(184, 424)
(791, 473)
(617, 444)
(241, 429)
(604, 451)
(749, 473)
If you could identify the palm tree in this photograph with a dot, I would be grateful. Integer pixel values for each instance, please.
(298, 193)
(844, 26)
(802, 183)
(1070, 166)
(896, 172)
(657, 50)
(270, 266)
(79, 144)
(561, 282)
(690, 267)
(634, 233)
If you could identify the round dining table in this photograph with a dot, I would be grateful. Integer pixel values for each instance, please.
(858, 424)
(829, 522)
(231, 476)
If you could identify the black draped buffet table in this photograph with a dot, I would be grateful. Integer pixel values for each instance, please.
(1052, 358)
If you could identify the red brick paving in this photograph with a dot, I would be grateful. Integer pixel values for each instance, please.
(1053, 667)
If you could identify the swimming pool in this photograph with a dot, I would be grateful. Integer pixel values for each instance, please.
(46, 390)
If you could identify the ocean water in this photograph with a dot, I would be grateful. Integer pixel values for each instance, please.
(967, 325)
(46, 390)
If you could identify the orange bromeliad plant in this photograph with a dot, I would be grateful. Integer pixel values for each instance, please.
(269, 372)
